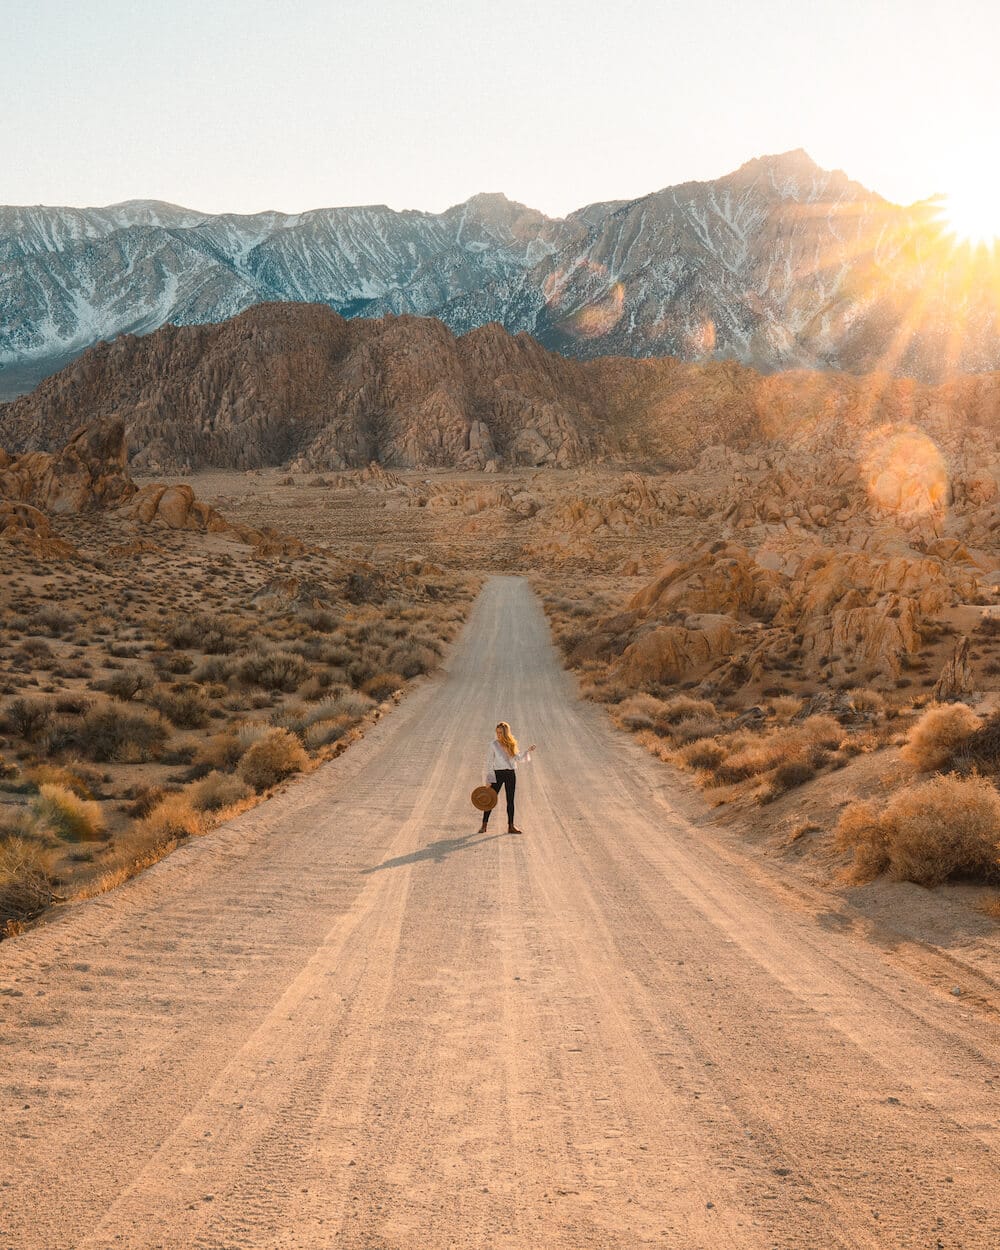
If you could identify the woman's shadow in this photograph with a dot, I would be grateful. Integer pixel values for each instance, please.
(436, 851)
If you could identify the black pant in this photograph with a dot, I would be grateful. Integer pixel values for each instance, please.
(508, 778)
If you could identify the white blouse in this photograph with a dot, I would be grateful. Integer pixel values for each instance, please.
(497, 757)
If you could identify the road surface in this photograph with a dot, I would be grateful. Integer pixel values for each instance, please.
(347, 1020)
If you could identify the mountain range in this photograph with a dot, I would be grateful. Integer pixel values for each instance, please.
(780, 264)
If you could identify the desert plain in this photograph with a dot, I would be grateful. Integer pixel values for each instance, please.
(265, 984)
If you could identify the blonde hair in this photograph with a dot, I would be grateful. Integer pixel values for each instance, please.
(506, 738)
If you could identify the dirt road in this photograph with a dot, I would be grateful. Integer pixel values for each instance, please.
(346, 1020)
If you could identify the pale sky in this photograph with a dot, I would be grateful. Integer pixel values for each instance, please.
(245, 105)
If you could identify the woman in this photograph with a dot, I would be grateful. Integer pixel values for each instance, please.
(502, 759)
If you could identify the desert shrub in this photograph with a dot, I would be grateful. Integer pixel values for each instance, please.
(787, 776)
(221, 751)
(705, 753)
(939, 734)
(28, 718)
(750, 760)
(273, 670)
(382, 685)
(682, 707)
(866, 702)
(981, 750)
(173, 818)
(53, 621)
(366, 587)
(320, 620)
(342, 702)
(217, 790)
(696, 727)
(640, 711)
(785, 707)
(820, 731)
(113, 734)
(412, 660)
(214, 669)
(249, 732)
(72, 704)
(316, 686)
(60, 775)
(272, 759)
(124, 684)
(945, 827)
(25, 883)
(323, 732)
(56, 809)
(177, 662)
(203, 632)
(860, 831)
(186, 708)
(37, 648)
(142, 800)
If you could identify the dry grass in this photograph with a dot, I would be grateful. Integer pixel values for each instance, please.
(115, 734)
(73, 778)
(639, 711)
(945, 827)
(939, 733)
(25, 881)
(216, 791)
(704, 754)
(58, 810)
(174, 818)
(271, 759)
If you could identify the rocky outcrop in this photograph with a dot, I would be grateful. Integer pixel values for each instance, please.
(25, 527)
(955, 681)
(728, 616)
(299, 385)
(672, 653)
(89, 472)
(174, 507)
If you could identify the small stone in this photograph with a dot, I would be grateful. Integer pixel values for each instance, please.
(956, 990)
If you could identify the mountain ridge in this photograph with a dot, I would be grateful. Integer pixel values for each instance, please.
(779, 264)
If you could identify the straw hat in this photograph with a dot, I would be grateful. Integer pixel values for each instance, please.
(484, 798)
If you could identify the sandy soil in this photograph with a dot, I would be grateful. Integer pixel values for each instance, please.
(345, 1019)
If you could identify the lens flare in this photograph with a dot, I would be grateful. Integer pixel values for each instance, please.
(971, 212)
(904, 472)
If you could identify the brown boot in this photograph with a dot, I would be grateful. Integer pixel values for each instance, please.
(514, 829)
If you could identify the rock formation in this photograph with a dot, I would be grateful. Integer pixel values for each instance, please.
(297, 384)
(89, 472)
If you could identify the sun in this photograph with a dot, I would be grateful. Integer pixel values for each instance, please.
(972, 213)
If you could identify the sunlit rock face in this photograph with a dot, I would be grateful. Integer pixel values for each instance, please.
(298, 385)
(778, 264)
